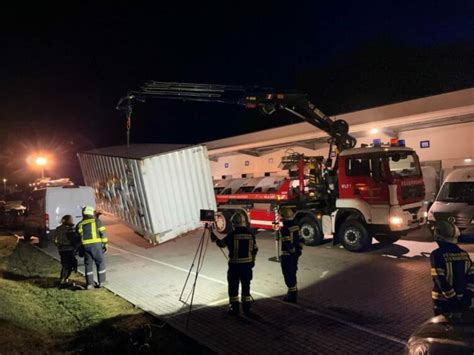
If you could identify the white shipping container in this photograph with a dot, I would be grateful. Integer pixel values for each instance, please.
(158, 190)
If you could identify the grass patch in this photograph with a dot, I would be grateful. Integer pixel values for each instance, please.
(36, 316)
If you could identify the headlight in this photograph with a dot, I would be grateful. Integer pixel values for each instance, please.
(396, 220)
(425, 214)
(431, 216)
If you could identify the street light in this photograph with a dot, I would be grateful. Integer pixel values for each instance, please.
(41, 162)
(5, 186)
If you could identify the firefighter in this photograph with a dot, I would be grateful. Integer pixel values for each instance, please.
(94, 245)
(66, 240)
(242, 251)
(452, 271)
(291, 248)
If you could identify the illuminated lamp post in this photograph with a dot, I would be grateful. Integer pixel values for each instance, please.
(41, 162)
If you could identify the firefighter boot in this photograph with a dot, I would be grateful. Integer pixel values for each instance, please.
(246, 308)
(291, 297)
(234, 309)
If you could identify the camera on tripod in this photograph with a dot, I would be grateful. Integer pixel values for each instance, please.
(207, 216)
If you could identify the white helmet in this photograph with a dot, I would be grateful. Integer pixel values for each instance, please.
(445, 231)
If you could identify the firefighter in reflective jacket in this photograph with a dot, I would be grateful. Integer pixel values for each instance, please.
(291, 248)
(452, 271)
(94, 245)
(242, 251)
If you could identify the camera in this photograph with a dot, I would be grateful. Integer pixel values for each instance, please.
(207, 216)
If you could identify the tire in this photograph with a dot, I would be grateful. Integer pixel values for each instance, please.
(310, 231)
(43, 239)
(354, 236)
(223, 225)
(387, 239)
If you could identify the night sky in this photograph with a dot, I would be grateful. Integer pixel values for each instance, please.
(63, 69)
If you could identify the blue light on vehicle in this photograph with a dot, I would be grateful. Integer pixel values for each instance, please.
(377, 142)
(401, 142)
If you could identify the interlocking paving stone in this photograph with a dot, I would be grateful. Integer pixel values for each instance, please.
(348, 303)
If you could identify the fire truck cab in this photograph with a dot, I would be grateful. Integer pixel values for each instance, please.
(380, 194)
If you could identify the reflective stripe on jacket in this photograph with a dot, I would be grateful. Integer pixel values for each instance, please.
(291, 242)
(452, 272)
(241, 244)
(91, 231)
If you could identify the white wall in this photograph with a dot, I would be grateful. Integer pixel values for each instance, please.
(450, 144)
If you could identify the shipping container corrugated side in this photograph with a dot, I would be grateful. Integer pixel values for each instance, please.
(158, 196)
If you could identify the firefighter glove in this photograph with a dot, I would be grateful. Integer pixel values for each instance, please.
(104, 248)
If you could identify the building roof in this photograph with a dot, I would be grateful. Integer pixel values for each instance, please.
(449, 108)
(136, 151)
(355, 151)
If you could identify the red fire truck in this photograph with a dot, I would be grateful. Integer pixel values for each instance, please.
(353, 194)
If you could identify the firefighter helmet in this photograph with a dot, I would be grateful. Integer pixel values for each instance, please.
(67, 219)
(286, 213)
(88, 211)
(445, 231)
(237, 220)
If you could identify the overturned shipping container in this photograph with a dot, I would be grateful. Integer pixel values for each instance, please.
(158, 190)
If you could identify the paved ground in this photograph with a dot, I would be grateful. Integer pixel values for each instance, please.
(349, 303)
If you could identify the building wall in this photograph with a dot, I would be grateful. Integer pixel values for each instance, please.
(450, 144)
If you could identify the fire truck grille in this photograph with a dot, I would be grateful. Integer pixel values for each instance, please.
(413, 210)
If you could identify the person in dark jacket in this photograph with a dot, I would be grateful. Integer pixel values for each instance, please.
(94, 245)
(291, 249)
(452, 271)
(242, 249)
(66, 240)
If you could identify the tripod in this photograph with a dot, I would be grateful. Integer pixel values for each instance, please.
(199, 255)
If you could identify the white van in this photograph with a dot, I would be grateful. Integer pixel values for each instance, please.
(45, 208)
(455, 201)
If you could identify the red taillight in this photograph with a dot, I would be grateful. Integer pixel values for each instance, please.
(46, 220)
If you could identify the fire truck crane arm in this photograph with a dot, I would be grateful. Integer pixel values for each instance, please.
(267, 100)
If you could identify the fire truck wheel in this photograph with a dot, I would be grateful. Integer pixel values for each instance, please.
(310, 231)
(223, 225)
(354, 236)
(387, 239)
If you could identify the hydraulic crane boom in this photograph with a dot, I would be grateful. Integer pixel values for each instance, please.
(267, 100)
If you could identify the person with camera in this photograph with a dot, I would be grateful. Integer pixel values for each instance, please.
(242, 249)
(291, 249)
(452, 271)
(94, 245)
